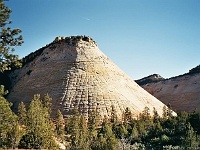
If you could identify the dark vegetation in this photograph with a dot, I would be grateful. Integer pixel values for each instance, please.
(195, 70)
(32, 128)
(5, 80)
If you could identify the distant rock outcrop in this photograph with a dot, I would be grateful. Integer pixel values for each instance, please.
(149, 79)
(182, 92)
(76, 74)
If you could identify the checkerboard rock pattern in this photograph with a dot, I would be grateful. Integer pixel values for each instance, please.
(76, 74)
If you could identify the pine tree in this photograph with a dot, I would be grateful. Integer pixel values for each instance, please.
(127, 116)
(74, 129)
(99, 143)
(2, 91)
(164, 115)
(135, 134)
(92, 125)
(22, 113)
(156, 117)
(79, 132)
(7, 122)
(60, 125)
(146, 113)
(169, 111)
(194, 119)
(47, 102)
(9, 38)
(92, 120)
(190, 138)
(123, 131)
(106, 138)
(15, 135)
(83, 134)
(39, 127)
(113, 118)
(141, 129)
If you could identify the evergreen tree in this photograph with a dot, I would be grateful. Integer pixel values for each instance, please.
(73, 121)
(15, 135)
(100, 143)
(92, 120)
(9, 38)
(60, 125)
(127, 116)
(92, 124)
(79, 133)
(2, 91)
(22, 113)
(156, 117)
(39, 127)
(74, 129)
(169, 111)
(135, 134)
(194, 119)
(83, 134)
(120, 131)
(141, 130)
(7, 122)
(113, 118)
(190, 138)
(47, 102)
(164, 115)
(106, 138)
(146, 114)
(157, 129)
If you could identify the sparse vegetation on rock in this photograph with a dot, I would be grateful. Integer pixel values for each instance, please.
(195, 70)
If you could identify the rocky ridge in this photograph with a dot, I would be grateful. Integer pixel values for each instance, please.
(76, 74)
(149, 79)
(181, 92)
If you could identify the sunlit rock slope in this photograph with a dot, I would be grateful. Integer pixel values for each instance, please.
(76, 74)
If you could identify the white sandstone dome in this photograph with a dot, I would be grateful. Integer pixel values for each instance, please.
(76, 74)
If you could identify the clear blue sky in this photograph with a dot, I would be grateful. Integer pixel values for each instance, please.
(142, 37)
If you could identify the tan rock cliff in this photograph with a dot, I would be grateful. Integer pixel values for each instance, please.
(76, 74)
(182, 92)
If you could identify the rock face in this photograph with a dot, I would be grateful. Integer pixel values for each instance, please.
(76, 74)
(182, 92)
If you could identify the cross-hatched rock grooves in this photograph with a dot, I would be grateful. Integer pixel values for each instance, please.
(76, 74)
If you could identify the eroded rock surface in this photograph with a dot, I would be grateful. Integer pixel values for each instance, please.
(181, 92)
(76, 74)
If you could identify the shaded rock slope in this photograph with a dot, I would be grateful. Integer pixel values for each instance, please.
(76, 74)
(181, 92)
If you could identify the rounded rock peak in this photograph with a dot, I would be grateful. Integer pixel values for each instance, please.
(73, 40)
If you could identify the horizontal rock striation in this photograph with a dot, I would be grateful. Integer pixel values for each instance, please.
(76, 74)
(181, 92)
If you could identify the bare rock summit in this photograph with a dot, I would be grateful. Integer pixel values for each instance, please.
(76, 74)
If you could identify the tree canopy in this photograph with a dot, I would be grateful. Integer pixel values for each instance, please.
(9, 38)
